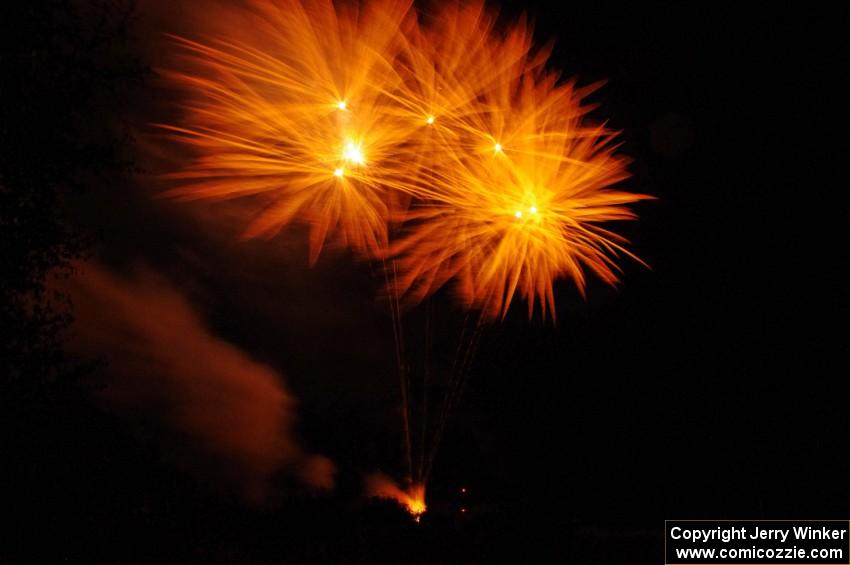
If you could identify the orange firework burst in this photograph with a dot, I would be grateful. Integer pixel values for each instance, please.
(298, 111)
(349, 119)
(520, 203)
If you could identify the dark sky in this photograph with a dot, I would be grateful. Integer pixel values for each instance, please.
(712, 385)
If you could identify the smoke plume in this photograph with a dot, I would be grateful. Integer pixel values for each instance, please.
(225, 416)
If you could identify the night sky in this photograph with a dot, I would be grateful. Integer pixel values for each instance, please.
(711, 385)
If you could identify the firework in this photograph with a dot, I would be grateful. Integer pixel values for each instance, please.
(298, 112)
(352, 120)
(441, 144)
(520, 205)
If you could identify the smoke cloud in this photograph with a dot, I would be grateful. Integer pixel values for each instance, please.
(225, 416)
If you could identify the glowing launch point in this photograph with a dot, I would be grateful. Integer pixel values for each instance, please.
(416, 508)
(518, 214)
(339, 172)
(341, 105)
(429, 120)
(411, 498)
(414, 501)
(498, 148)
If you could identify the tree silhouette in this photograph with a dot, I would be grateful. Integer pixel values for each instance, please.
(65, 67)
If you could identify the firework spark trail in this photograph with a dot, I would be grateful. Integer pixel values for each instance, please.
(402, 369)
(458, 378)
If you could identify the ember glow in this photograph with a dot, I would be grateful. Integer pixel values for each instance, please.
(437, 140)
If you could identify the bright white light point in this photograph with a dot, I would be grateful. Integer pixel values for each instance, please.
(518, 213)
(430, 119)
(353, 153)
(533, 209)
(338, 172)
(341, 105)
(498, 147)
